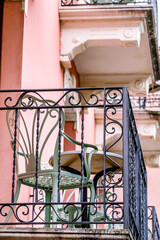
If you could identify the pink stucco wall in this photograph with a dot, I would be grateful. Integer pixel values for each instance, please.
(154, 188)
(12, 41)
(30, 46)
(41, 65)
(30, 59)
(11, 71)
(89, 128)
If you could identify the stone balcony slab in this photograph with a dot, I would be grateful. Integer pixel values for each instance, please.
(63, 234)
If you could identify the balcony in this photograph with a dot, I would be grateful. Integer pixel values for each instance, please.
(146, 112)
(111, 43)
(58, 180)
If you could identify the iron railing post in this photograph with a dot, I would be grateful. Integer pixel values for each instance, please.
(125, 158)
(146, 213)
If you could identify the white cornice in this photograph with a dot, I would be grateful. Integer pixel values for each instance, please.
(102, 12)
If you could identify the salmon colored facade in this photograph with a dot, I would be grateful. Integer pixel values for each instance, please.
(30, 59)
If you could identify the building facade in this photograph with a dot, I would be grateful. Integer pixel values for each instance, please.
(72, 44)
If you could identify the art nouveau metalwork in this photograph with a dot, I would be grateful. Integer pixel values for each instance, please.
(119, 180)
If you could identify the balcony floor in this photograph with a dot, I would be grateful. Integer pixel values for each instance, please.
(70, 234)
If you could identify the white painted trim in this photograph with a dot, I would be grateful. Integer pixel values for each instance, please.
(26, 7)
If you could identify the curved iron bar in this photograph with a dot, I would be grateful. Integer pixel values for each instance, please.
(66, 2)
(77, 217)
(19, 101)
(114, 211)
(100, 174)
(76, 207)
(39, 201)
(111, 198)
(81, 96)
(2, 209)
(111, 96)
(25, 211)
(112, 121)
(150, 212)
(32, 100)
(111, 182)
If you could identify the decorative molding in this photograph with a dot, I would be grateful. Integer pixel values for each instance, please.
(90, 27)
(76, 40)
(71, 114)
(128, 33)
(65, 61)
(147, 128)
(69, 80)
(153, 41)
(138, 84)
(153, 161)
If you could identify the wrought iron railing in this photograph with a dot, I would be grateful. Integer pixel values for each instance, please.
(104, 2)
(135, 188)
(153, 224)
(94, 188)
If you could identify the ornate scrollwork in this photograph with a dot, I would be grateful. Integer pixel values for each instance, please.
(113, 126)
(112, 179)
(112, 182)
(114, 97)
(73, 101)
(27, 101)
(65, 211)
(23, 212)
(114, 212)
(67, 2)
(109, 205)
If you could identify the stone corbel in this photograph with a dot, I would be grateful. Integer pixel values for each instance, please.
(77, 40)
(153, 161)
(65, 61)
(148, 130)
(140, 87)
(72, 114)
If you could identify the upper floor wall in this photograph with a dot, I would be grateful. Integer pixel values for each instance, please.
(30, 45)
